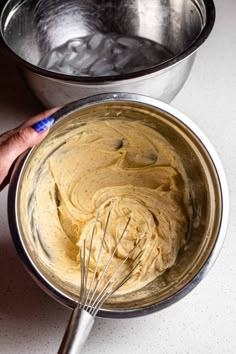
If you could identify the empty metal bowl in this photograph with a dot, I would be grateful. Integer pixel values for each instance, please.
(29, 28)
(209, 195)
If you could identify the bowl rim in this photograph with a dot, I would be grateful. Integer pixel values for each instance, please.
(206, 30)
(45, 284)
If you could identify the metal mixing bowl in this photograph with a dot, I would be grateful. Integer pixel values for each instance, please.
(181, 26)
(209, 195)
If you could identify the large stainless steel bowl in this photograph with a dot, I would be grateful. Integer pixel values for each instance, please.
(29, 26)
(209, 194)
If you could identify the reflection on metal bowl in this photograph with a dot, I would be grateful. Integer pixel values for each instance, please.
(30, 28)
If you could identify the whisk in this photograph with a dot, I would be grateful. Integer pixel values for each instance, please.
(94, 293)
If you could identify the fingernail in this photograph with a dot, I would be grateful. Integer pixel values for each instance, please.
(43, 125)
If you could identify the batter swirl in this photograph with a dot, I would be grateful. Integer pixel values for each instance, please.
(119, 162)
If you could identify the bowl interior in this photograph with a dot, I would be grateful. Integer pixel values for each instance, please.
(205, 196)
(32, 28)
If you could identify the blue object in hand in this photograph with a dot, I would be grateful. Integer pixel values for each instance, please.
(43, 125)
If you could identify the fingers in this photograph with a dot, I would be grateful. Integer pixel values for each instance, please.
(15, 145)
(16, 141)
(39, 117)
(28, 123)
(7, 135)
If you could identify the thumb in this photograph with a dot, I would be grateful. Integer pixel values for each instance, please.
(17, 143)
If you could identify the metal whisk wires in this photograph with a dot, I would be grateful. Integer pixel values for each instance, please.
(94, 292)
(92, 297)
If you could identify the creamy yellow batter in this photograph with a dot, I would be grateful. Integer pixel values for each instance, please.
(120, 165)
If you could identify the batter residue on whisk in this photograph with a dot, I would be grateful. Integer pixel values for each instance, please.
(80, 173)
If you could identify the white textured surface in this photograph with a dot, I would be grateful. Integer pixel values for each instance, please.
(203, 322)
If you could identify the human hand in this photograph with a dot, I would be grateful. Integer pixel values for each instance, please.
(14, 142)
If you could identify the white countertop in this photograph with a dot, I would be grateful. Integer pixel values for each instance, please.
(203, 322)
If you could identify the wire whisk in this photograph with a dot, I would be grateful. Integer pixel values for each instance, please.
(95, 291)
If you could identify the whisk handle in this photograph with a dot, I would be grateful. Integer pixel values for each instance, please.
(77, 332)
